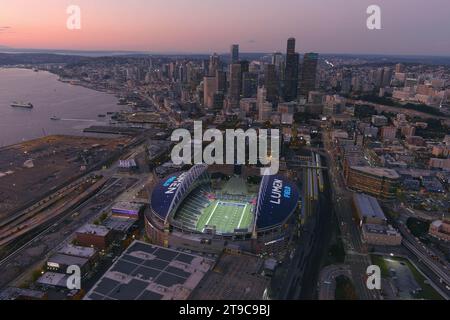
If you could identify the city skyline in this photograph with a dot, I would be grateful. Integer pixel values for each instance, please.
(223, 150)
(158, 28)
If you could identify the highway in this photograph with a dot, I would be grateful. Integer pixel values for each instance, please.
(29, 252)
(440, 270)
(28, 256)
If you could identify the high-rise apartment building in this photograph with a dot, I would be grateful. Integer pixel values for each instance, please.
(209, 90)
(309, 72)
(249, 84)
(271, 83)
(235, 84)
(234, 53)
(221, 79)
(291, 72)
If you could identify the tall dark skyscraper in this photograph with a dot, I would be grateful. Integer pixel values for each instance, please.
(291, 46)
(249, 84)
(270, 82)
(309, 72)
(245, 65)
(221, 79)
(235, 84)
(291, 73)
(234, 53)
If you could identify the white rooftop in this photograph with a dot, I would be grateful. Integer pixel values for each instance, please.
(93, 229)
(53, 279)
(77, 251)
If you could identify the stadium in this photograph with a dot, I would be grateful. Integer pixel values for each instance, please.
(212, 208)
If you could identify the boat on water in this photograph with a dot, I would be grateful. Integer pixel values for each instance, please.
(122, 101)
(102, 115)
(27, 105)
(55, 118)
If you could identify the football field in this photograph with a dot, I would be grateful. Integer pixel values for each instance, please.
(226, 216)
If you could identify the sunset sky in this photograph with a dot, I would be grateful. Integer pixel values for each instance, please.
(204, 26)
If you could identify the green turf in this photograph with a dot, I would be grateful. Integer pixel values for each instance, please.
(226, 218)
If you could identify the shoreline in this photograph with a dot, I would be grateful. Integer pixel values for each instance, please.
(79, 132)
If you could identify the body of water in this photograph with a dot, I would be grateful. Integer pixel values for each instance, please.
(78, 107)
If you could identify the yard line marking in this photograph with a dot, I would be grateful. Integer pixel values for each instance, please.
(212, 213)
(242, 216)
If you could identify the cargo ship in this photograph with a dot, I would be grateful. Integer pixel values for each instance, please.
(16, 104)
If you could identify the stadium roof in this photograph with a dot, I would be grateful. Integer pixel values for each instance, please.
(161, 197)
(170, 192)
(278, 198)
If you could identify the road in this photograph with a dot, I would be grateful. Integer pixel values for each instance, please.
(437, 270)
(357, 256)
(328, 275)
(51, 237)
(356, 251)
(28, 254)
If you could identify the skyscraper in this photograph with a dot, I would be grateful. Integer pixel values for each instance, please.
(346, 80)
(235, 84)
(291, 73)
(234, 53)
(214, 62)
(291, 46)
(264, 107)
(270, 82)
(309, 71)
(245, 65)
(377, 78)
(221, 79)
(399, 68)
(249, 84)
(209, 90)
(387, 77)
(278, 61)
